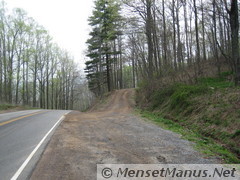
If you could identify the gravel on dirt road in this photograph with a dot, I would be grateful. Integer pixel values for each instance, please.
(110, 134)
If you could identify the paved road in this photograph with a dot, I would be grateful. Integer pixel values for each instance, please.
(21, 133)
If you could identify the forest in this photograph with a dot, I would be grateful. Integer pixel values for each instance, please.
(182, 58)
(34, 70)
(150, 43)
(138, 41)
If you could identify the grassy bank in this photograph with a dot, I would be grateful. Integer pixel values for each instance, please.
(207, 112)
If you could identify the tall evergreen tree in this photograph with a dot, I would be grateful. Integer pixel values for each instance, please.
(105, 21)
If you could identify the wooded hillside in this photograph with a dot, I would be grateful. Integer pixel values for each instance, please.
(147, 40)
(183, 57)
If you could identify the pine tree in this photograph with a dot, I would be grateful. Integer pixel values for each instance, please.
(105, 31)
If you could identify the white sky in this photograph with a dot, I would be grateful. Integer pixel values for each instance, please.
(66, 21)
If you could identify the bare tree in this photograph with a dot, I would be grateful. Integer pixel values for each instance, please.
(234, 22)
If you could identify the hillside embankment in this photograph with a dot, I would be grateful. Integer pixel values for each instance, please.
(209, 107)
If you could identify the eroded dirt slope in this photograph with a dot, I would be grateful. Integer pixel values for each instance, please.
(110, 134)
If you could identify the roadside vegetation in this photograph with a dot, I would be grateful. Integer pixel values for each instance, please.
(206, 112)
(10, 107)
(6, 107)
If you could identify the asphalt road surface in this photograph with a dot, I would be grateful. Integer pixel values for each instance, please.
(23, 136)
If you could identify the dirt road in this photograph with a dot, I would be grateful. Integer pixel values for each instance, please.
(110, 134)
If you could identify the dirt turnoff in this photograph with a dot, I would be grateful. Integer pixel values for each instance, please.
(110, 134)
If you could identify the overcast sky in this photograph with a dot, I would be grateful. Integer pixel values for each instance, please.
(66, 21)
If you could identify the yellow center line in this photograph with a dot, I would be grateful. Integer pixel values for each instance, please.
(12, 120)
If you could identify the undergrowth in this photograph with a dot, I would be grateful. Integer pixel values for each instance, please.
(6, 106)
(209, 108)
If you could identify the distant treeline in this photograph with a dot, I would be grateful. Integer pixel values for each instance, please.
(35, 71)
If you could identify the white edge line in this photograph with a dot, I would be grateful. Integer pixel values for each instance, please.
(19, 171)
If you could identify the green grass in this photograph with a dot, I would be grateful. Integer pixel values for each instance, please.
(220, 83)
(204, 144)
(206, 112)
(180, 95)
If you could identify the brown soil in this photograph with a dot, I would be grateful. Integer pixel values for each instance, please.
(110, 134)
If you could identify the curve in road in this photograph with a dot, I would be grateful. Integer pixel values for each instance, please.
(21, 134)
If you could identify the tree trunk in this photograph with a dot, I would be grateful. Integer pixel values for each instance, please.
(203, 33)
(164, 36)
(199, 71)
(108, 73)
(149, 26)
(18, 80)
(1, 73)
(35, 82)
(174, 35)
(215, 41)
(121, 63)
(234, 22)
(179, 44)
(186, 32)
